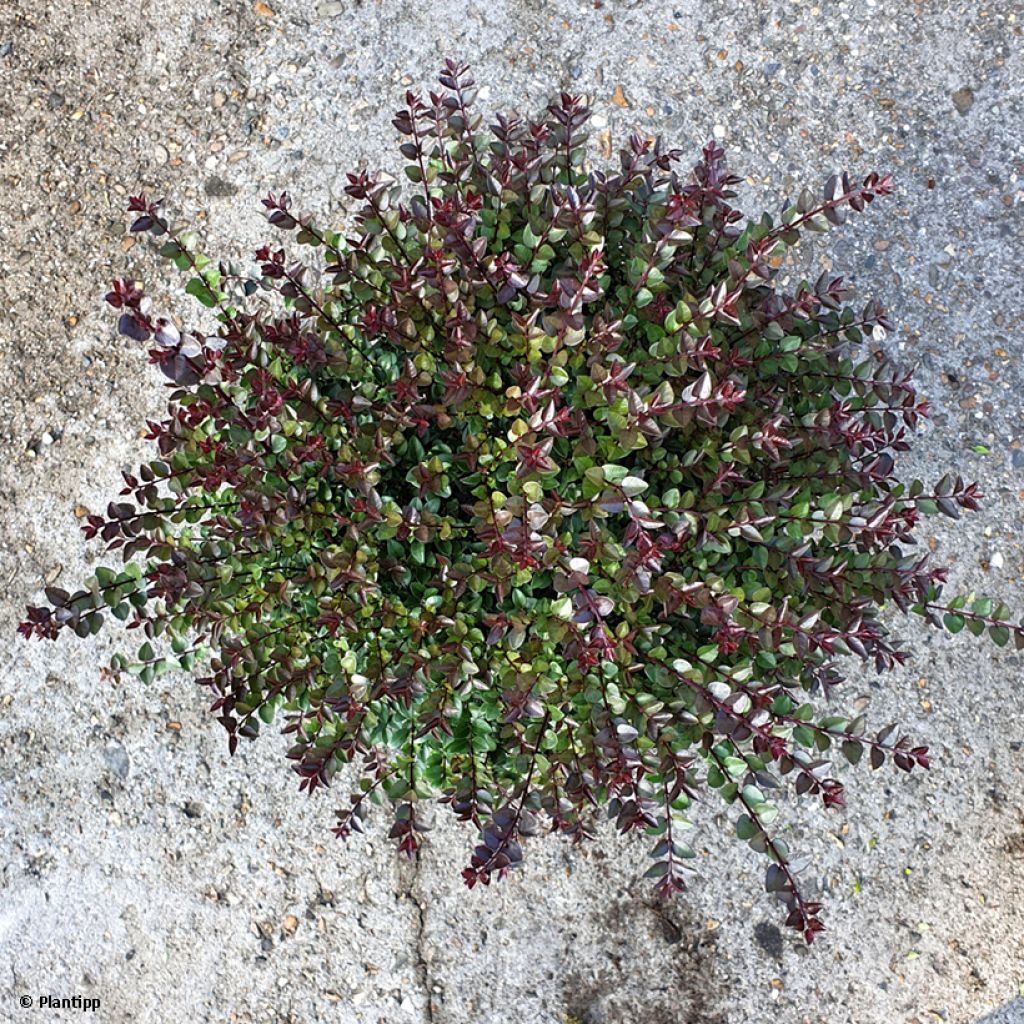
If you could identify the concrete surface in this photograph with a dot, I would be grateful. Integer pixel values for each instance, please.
(140, 866)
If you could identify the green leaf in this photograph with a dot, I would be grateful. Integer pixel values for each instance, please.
(198, 289)
(852, 751)
(532, 490)
(746, 828)
(954, 623)
(975, 627)
(1000, 635)
(803, 736)
(752, 795)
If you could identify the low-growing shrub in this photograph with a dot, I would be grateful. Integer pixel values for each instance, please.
(532, 492)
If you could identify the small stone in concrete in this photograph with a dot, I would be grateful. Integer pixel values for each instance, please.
(963, 99)
(769, 938)
(219, 188)
(116, 759)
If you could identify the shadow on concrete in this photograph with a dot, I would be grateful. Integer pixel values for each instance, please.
(1011, 1013)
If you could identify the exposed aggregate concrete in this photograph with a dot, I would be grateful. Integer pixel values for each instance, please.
(139, 865)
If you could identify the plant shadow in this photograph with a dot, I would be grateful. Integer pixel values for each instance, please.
(1010, 1013)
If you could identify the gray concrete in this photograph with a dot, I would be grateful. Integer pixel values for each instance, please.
(141, 866)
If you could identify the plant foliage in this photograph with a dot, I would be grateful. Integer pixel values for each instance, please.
(533, 492)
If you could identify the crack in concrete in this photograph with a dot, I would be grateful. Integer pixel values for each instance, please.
(422, 965)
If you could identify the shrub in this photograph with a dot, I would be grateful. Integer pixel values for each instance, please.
(539, 496)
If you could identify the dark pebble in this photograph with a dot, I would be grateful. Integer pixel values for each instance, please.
(963, 100)
(771, 69)
(769, 938)
(219, 188)
(116, 759)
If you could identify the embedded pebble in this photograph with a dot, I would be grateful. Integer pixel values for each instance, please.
(116, 759)
(963, 100)
(217, 187)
